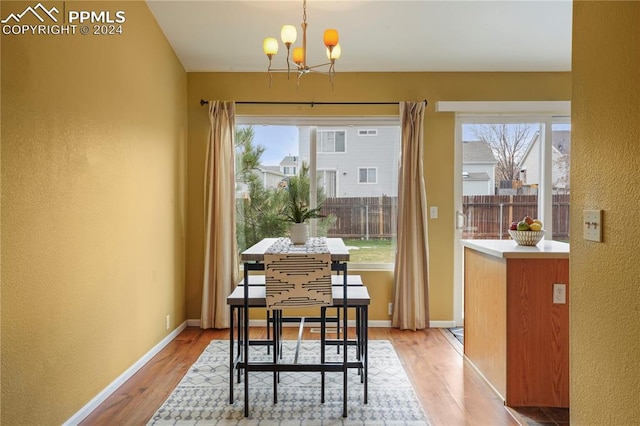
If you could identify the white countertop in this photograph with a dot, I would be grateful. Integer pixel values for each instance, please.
(545, 249)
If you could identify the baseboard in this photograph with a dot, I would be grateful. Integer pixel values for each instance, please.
(372, 323)
(442, 324)
(113, 386)
(193, 323)
(481, 374)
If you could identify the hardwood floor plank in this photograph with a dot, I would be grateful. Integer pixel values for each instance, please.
(450, 391)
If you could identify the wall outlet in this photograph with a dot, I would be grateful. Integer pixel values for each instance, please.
(390, 309)
(560, 294)
(168, 322)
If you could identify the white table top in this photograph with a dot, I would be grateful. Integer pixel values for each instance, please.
(545, 249)
(255, 253)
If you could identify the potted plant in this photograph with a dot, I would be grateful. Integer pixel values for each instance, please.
(297, 210)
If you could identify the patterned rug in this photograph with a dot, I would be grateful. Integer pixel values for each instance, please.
(202, 397)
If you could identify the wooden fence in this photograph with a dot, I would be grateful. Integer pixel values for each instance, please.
(362, 217)
(487, 216)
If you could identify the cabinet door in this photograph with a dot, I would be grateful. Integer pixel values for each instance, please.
(538, 333)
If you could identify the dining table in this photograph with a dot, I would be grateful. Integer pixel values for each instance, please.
(247, 296)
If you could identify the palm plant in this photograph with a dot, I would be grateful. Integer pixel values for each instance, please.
(297, 209)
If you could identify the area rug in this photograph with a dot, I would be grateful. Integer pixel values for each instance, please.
(458, 333)
(202, 397)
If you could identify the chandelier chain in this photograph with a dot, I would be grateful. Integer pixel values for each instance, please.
(304, 11)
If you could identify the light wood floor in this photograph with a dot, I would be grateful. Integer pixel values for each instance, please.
(450, 390)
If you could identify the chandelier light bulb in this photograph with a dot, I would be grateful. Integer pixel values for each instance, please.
(288, 34)
(334, 53)
(270, 46)
(330, 37)
(298, 55)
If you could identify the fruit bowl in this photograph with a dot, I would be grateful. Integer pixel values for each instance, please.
(526, 238)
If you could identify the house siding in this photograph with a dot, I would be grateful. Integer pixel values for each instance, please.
(380, 152)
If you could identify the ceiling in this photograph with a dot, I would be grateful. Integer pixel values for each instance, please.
(393, 35)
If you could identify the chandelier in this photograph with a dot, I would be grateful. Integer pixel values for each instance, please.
(288, 34)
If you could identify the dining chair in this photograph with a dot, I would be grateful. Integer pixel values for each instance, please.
(294, 281)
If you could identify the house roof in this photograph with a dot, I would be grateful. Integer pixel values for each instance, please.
(273, 169)
(561, 140)
(477, 152)
(289, 160)
(475, 176)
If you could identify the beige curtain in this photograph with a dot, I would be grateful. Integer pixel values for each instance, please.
(411, 287)
(221, 257)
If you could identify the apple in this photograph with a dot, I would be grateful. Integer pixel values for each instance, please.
(514, 226)
(528, 220)
(522, 226)
(535, 227)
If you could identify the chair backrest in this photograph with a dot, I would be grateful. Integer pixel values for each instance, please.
(298, 280)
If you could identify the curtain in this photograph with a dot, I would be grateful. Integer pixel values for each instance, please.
(411, 287)
(221, 253)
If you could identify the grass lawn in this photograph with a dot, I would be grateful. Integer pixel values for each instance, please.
(371, 251)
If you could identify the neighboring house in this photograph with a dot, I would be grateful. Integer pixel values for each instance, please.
(478, 168)
(560, 154)
(354, 161)
(269, 175)
(289, 166)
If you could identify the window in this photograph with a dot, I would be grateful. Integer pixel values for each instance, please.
(367, 175)
(331, 141)
(364, 216)
(367, 132)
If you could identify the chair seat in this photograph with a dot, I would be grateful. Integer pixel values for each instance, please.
(356, 296)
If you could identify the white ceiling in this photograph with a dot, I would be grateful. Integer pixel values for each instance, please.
(392, 35)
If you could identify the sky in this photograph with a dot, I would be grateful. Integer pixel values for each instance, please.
(279, 141)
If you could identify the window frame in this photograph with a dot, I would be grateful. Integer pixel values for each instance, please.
(334, 131)
(333, 121)
(375, 169)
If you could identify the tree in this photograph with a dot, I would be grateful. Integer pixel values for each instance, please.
(508, 142)
(259, 210)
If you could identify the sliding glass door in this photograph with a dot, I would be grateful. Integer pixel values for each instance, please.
(509, 167)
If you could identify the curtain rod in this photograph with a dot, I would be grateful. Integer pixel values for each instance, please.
(311, 103)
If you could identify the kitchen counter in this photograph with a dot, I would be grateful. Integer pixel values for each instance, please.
(514, 333)
(545, 249)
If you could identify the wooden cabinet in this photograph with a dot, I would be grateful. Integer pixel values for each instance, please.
(514, 334)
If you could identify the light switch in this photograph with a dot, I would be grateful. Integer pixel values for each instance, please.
(433, 212)
(592, 225)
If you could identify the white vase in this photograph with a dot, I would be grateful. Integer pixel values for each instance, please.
(299, 233)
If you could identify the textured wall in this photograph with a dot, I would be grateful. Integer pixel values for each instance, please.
(439, 149)
(605, 166)
(93, 141)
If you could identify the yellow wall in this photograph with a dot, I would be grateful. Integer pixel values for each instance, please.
(93, 152)
(439, 140)
(605, 165)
